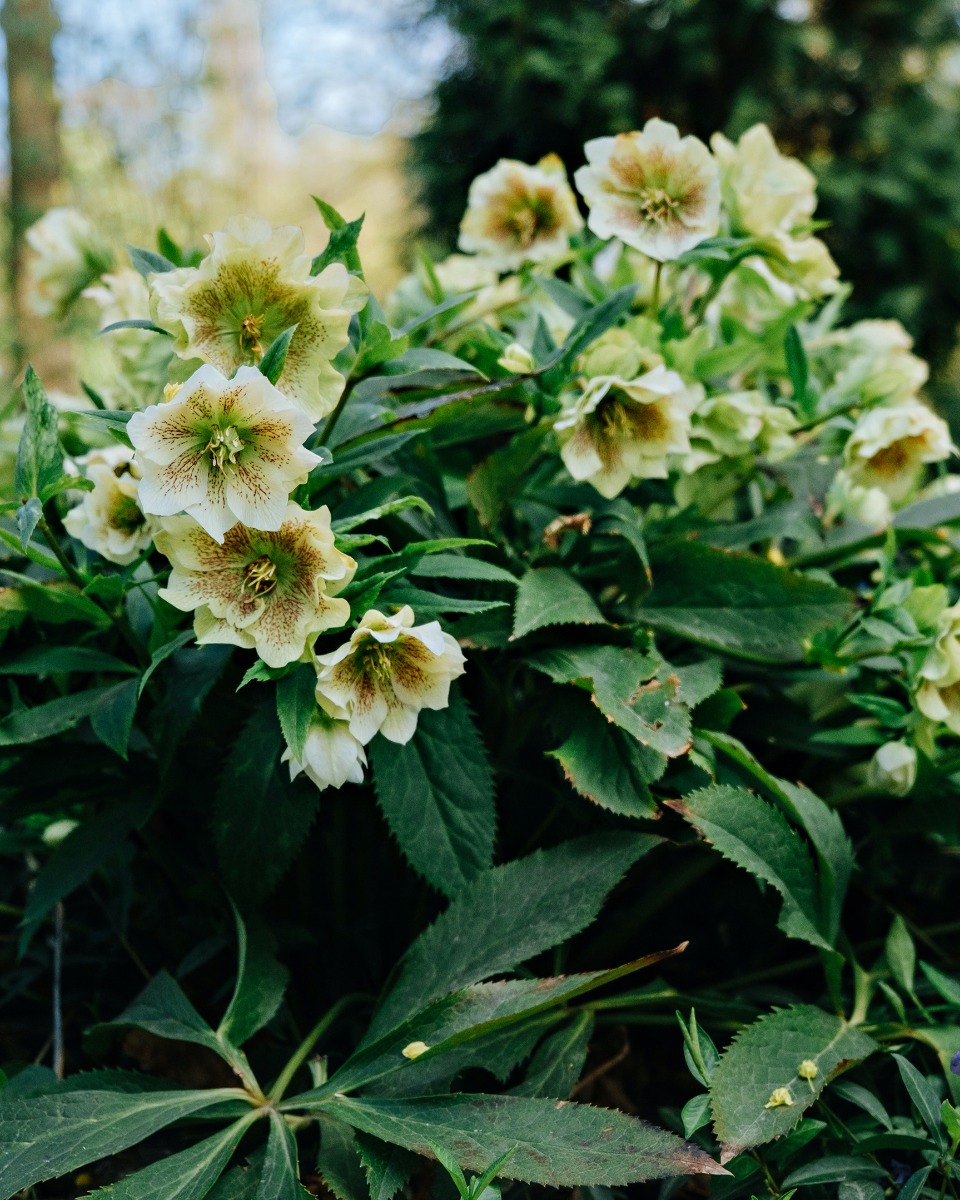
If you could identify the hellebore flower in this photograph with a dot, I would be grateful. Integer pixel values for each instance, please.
(272, 591)
(520, 214)
(654, 190)
(253, 285)
(223, 451)
(109, 519)
(332, 756)
(891, 444)
(387, 672)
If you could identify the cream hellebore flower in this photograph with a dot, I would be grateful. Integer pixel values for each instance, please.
(893, 768)
(939, 694)
(653, 190)
(764, 191)
(253, 285)
(223, 451)
(737, 424)
(387, 672)
(520, 214)
(852, 501)
(772, 197)
(68, 254)
(109, 519)
(136, 360)
(332, 756)
(890, 445)
(875, 363)
(620, 430)
(272, 591)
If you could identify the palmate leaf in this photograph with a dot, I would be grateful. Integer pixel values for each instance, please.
(754, 835)
(49, 1135)
(738, 603)
(388, 1167)
(505, 916)
(549, 1142)
(766, 1056)
(436, 793)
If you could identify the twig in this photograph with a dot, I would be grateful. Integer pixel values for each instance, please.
(604, 1068)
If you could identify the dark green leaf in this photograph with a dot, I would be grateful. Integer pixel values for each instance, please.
(388, 1167)
(112, 720)
(557, 1145)
(924, 1096)
(458, 566)
(261, 982)
(163, 653)
(161, 1009)
(799, 372)
(274, 360)
(551, 596)
(56, 660)
(39, 468)
(56, 716)
(136, 323)
(558, 1063)
(834, 1168)
(296, 705)
(280, 1175)
(47, 1136)
(436, 793)
(339, 1161)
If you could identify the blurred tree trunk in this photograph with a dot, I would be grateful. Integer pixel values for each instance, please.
(34, 138)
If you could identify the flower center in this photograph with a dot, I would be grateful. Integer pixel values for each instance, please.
(251, 328)
(657, 204)
(126, 516)
(893, 459)
(224, 445)
(260, 576)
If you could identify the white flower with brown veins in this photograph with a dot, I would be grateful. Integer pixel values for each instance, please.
(109, 518)
(332, 756)
(223, 451)
(271, 591)
(654, 190)
(253, 285)
(387, 672)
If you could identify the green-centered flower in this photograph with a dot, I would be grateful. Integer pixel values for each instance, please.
(652, 189)
(388, 671)
(223, 451)
(109, 518)
(520, 214)
(618, 430)
(272, 591)
(891, 445)
(254, 284)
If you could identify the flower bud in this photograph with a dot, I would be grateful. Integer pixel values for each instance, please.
(517, 359)
(893, 768)
(58, 831)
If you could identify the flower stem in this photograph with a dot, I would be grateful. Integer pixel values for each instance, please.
(303, 1050)
(655, 298)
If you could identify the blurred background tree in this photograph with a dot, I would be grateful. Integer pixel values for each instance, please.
(867, 92)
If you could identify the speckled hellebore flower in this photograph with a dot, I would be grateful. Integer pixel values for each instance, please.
(890, 445)
(108, 519)
(520, 214)
(388, 671)
(332, 756)
(620, 430)
(272, 591)
(254, 284)
(223, 451)
(654, 190)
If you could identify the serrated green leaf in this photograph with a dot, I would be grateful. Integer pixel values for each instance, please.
(754, 835)
(39, 456)
(280, 1175)
(296, 705)
(551, 1143)
(188, 1175)
(162, 1009)
(339, 1161)
(381, 511)
(261, 982)
(558, 1063)
(458, 566)
(607, 766)
(497, 480)
(738, 603)
(388, 1167)
(551, 596)
(901, 954)
(436, 793)
(55, 660)
(47, 1136)
(766, 1056)
(635, 690)
(505, 916)
(591, 325)
(27, 725)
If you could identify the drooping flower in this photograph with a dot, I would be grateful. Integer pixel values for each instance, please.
(388, 671)
(772, 197)
(871, 361)
(223, 451)
(68, 255)
(850, 501)
(736, 424)
(764, 192)
(332, 756)
(891, 444)
(272, 591)
(893, 768)
(520, 214)
(653, 190)
(619, 430)
(253, 285)
(109, 518)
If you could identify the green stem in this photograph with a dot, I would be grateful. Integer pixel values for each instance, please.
(655, 298)
(302, 1053)
(72, 573)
